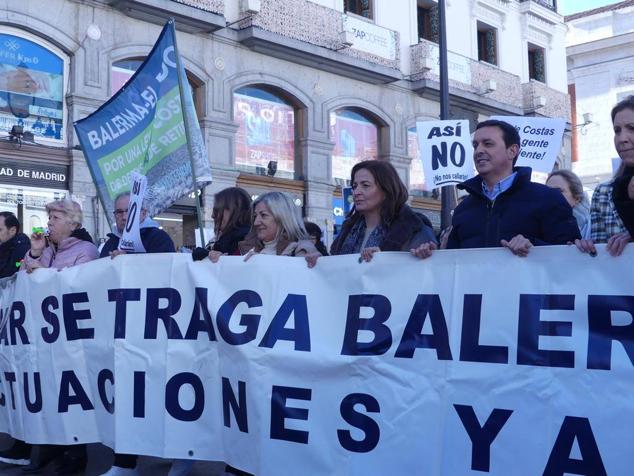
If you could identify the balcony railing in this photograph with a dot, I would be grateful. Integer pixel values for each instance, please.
(550, 4)
(213, 6)
(322, 26)
(541, 99)
(467, 74)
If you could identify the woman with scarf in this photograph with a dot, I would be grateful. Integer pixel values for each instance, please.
(380, 219)
(612, 209)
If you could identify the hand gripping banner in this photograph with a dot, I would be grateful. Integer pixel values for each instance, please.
(142, 128)
(470, 362)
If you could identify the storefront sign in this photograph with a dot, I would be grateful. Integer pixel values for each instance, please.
(458, 67)
(371, 38)
(34, 175)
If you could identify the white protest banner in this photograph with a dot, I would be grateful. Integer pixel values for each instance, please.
(470, 362)
(131, 238)
(446, 152)
(540, 140)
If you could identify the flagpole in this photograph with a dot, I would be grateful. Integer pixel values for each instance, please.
(181, 89)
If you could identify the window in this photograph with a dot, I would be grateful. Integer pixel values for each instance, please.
(487, 43)
(356, 139)
(536, 63)
(31, 87)
(427, 20)
(266, 132)
(359, 7)
(123, 70)
(416, 174)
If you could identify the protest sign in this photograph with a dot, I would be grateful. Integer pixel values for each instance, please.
(131, 237)
(142, 128)
(398, 366)
(540, 140)
(446, 152)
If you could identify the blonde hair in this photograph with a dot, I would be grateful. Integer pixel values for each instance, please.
(286, 215)
(68, 207)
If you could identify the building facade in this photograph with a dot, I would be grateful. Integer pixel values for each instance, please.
(600, 73)
(289, 93)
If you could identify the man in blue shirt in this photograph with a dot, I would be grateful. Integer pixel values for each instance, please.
(504, 208)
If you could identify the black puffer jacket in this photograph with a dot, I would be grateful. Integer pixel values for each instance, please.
(11, 252)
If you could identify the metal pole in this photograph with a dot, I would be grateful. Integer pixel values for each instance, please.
(199, 214)
(448, 192)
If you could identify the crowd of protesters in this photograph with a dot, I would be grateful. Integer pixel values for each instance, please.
(502, 208)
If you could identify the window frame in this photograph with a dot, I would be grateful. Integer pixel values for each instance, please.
(286, 99)
(482, 29)
(66, 119)
(371, 10)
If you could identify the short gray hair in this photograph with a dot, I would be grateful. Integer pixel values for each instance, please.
(68, 207)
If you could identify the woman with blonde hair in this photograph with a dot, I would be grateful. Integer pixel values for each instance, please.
(277, 228)
(66, 244)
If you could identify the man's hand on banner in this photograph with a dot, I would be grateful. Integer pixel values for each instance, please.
(585, 246)
(367, 253)
(115, 253)
(518, 245)
(424, 250)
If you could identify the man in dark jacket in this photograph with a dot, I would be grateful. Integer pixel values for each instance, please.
(153, 238)
(13, 244)
(504, 208)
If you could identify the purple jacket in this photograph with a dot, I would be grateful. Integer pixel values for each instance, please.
(70, 252)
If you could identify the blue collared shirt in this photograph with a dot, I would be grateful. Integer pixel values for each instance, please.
(502, 186)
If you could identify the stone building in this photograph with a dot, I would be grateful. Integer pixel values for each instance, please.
(289, 93)
(600, 73)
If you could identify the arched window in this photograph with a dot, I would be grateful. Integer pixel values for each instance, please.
(265, 141)
(416, 174)
(123, 70)
(32, 86)
(356, 138)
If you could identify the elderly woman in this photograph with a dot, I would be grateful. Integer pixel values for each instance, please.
(380, 219)
(277, 228)
(612, 208)
(68, 243)
(571, 188)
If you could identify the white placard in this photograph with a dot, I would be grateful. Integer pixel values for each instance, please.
(540, 140)
(446, 152)
(370, 38)
(131, 238)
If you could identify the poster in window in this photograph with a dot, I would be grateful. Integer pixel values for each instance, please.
(416, 174)
(266, 133)
(355, 140)
(31, 87)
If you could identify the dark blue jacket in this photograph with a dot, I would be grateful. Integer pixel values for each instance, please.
(537, 212)
(154, 240)
(11, 252)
